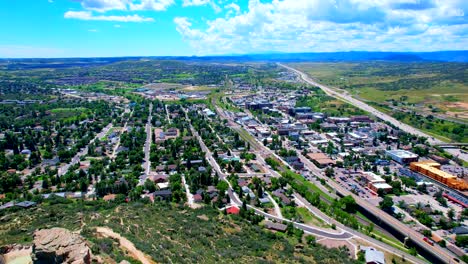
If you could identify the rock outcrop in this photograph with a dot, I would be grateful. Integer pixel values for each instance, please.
(58, 245)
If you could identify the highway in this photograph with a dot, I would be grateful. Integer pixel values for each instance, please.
(438, 252)
(342, 96)
(444, 255)
(346, 233)
(235, 199)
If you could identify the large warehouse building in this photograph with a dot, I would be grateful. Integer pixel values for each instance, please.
(402, 156)
(432, 169)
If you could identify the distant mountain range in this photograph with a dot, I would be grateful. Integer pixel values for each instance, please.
(442, 56)
(445, 56)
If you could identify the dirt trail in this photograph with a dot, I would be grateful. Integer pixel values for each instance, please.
(126, 244)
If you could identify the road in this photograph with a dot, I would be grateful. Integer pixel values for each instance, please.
(84, 151)
(167, 114)
(147, 147)
(275, 205)
(235, 199)
(346, 97)
(437, 251)
(191, 203)
(117, 145)
(299, 199)
(445, 255)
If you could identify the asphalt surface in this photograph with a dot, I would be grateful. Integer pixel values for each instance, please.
(235, 199)
(84, 151)
(438, 252)
(147, 147)
(379, 214)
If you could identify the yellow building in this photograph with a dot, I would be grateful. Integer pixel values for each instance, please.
(432, 169)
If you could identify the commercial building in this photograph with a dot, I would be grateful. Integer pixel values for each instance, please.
(432, 170)
(257, 105)
(321, 159)
(402, 156)
(295, 110)
(375, 182)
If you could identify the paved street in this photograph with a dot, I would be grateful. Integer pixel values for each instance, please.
(76, 159)
(235, 199)
(147, 147)
(346, 97)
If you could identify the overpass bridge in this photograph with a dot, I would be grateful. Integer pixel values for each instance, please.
(451, 145)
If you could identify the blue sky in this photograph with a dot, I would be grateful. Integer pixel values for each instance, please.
(94, 28)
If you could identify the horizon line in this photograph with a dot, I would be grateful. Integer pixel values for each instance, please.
(232, 55)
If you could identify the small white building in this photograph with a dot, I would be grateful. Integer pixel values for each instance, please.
(373, 256)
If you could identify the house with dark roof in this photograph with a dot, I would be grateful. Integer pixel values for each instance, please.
(460, 230)
(280, 194)
(275, 226)
(162, 194)
(197, 198)
(25, 204)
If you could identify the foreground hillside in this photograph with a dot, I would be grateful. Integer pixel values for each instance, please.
(166, 233)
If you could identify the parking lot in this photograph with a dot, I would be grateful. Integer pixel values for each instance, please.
(351, 182)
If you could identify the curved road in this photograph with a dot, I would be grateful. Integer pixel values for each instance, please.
(238, 202)
(346, 233)
(364, 106)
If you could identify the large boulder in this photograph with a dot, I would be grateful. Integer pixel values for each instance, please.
(58, 245)
(15, 254)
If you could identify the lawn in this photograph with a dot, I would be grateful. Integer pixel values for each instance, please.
(411, 83)
(437, 92)
(310, 218)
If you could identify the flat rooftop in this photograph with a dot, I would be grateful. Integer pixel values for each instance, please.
(402, 153)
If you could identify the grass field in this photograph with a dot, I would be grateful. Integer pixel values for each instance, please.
(439, 85)
(437, 93)
(310, 218)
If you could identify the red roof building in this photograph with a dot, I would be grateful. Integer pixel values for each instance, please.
(233, 210)
(197, 198)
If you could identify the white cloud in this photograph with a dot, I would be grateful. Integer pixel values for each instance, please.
(93, 30)
(117, 26)
(87, 15)
(108, 5)
(104, 5)
(319, 25)
(156, 5)
(216, 8)
(234, 7)
(195, 2)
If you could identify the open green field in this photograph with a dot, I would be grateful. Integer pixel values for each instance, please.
(72, 110)
(310, 218)
(428, 95)
(320, 102)
(441, 86)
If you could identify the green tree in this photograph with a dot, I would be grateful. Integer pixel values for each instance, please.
(222, 186)
(386, 204)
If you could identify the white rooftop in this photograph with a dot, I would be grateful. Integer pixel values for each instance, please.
(373, 255)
